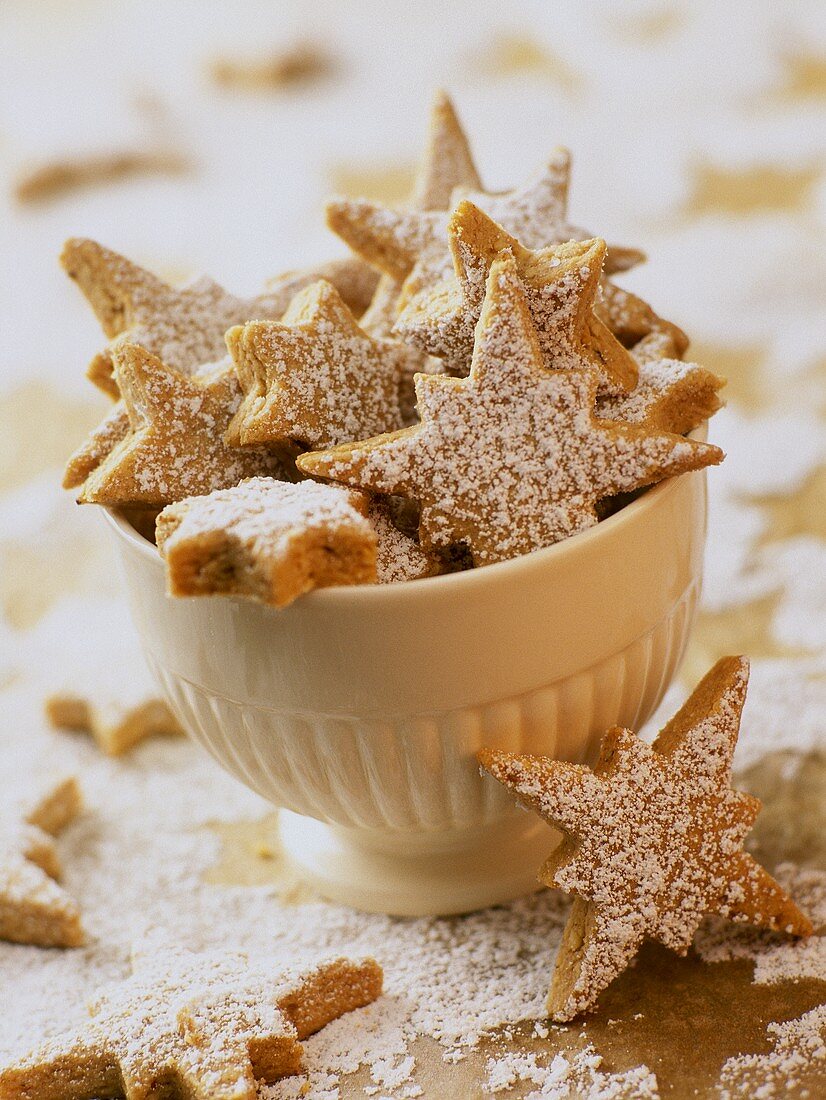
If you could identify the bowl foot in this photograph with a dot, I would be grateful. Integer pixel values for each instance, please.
(428, 875)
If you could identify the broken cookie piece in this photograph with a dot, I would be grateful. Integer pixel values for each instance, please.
(268, 541)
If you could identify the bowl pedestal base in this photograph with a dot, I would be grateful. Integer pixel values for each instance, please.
(425, 875)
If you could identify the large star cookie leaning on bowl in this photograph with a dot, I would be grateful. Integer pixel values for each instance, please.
(653, 840)
(34, 908)
(511, 458)
(205, 1027)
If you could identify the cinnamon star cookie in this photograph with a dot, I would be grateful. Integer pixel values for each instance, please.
(176, 444)
(653, 840)
(511, 458)
(315, 377)
(183, 326)
(561, 283)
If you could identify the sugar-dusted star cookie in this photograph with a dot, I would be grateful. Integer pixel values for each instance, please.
(183, 326)
(670, 396)
(34, 909)
(314, 377)
(176, 444)
(511, 458)
(412, 246)
(267, 540)
(353, 278)
(561, 283)
(204, 1027)
(116, 725)
(653, 840)
(446, 163)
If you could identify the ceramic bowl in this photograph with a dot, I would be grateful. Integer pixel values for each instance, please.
(359, 711)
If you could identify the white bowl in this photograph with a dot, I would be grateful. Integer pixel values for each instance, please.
(362, 709)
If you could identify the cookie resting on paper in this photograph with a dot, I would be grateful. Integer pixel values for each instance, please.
(267, 540)
(176, 445)
(511, 458)
(34, 909)
(197, 1026)
(653, 840)
(561, 283)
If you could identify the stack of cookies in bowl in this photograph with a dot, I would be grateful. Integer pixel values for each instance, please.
(457, 480)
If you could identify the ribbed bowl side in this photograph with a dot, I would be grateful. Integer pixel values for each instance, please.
(419, 772)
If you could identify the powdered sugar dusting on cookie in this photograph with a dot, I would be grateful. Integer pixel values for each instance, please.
(399, 557)
(317, 378)
(658, 835)
(510, 459)
(670, 395)
(177, 447)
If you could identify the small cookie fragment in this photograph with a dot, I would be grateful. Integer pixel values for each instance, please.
(60, 176)
(509, 459)
(115, 726)
(34, 909)
(176, 446)
(670, 396)
(208, 1027)
(268, 541)
(653, 840)
(301, 64)
(315, 377)
(561, 283)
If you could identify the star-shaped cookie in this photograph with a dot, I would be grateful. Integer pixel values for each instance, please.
(670, 396)
(511, 458)
(314, 377)
(183, 326)
(176, 444)
(412, 246)
(561, 282)
(267, 540)
(197, 1026)
(446, 163)
(34, 909)
(653, 840)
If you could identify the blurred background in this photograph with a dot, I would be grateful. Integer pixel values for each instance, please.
(204, 138)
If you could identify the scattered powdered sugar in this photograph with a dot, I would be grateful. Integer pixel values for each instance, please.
(798, 1058)
(775, 960)
(565, 1077)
